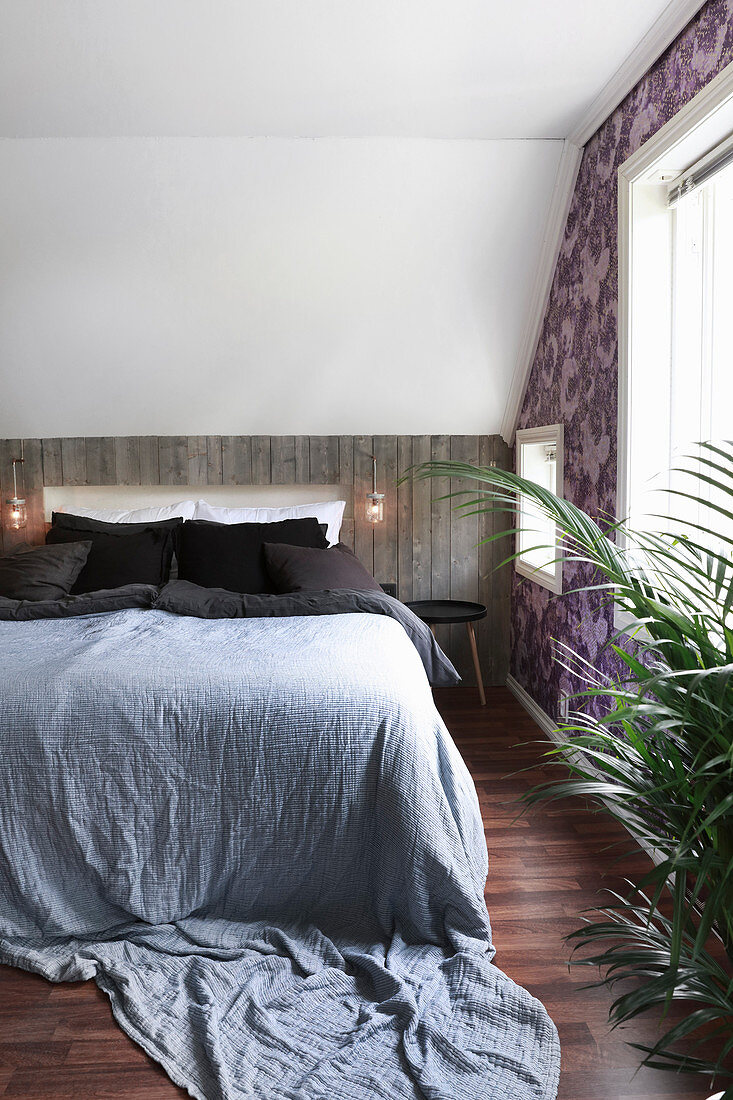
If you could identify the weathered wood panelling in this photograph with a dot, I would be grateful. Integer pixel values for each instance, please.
(424, 546)
(127, 460)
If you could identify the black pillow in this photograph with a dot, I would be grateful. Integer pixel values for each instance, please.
(43, 573)
(84, 523)
(231, 555)
(295, 568)
(121, 553)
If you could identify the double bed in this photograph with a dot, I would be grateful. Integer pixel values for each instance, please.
(243, 817)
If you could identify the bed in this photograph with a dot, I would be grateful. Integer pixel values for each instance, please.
(247, 822)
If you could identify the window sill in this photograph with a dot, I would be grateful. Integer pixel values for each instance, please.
(551, 581)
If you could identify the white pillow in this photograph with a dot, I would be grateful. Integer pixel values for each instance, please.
(330, 512)
(185, 509)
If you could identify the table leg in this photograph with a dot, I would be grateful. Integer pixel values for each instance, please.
(476, 665)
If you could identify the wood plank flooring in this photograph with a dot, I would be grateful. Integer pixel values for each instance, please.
(61, 1041)
(544, 869)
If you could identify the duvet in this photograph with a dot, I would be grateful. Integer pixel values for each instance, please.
(258, 838)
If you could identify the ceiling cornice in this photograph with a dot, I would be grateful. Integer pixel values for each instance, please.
(671, 22)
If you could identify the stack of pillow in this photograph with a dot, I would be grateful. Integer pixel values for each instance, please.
(120, 553)
(252, 550)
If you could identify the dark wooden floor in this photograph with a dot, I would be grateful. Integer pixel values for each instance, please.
(61, 1040)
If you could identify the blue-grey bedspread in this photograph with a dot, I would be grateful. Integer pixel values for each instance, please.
(185, 598)
(259, 839)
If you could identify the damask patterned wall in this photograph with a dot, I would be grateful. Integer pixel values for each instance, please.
(574, 376)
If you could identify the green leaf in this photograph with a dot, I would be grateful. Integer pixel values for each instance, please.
(659, 756)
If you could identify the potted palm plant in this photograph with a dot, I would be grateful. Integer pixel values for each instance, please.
(655, 750)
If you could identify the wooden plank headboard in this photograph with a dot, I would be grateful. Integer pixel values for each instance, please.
(422, 546)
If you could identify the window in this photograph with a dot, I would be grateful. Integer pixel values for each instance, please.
(683, 391)
(675, 311)
(539, 459)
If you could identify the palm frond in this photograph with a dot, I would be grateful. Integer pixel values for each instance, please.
(659, 756)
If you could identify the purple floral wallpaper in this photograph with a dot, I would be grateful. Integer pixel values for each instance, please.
(574, 376)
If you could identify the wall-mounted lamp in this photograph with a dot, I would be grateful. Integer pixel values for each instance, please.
(16, 505)
(374, 500)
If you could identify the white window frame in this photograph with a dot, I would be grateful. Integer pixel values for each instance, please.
(552, 434)
(700, 127)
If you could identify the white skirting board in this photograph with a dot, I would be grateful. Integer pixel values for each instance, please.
(551, 731)
(534, 710)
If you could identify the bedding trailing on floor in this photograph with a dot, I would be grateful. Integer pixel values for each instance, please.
(258, 838)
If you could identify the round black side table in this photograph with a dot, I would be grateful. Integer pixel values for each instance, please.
(440, 612)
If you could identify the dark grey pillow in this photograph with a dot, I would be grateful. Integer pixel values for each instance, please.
(299, 568)
(43, 573)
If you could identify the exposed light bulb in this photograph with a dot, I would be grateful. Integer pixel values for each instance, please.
(374, 500)
(18, 510)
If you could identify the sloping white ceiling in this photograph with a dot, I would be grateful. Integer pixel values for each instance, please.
(179, 256)
(295, 68)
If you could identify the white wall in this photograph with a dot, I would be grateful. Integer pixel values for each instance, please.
(255, 285)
